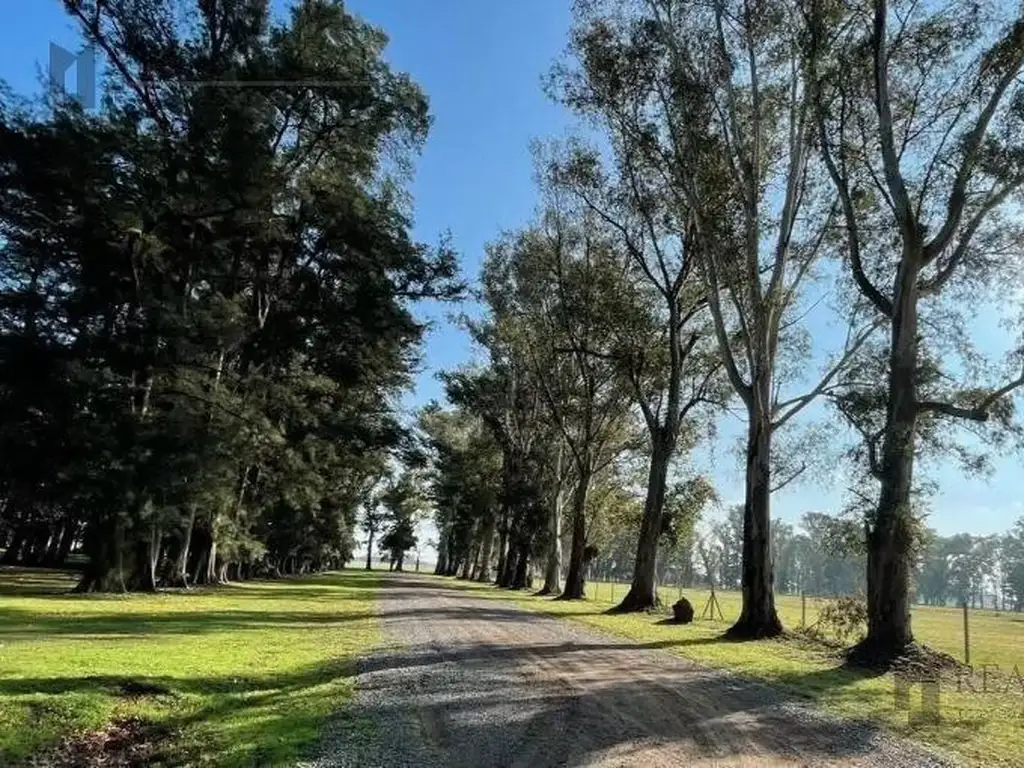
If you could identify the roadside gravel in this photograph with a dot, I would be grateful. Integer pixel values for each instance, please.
(469, 681)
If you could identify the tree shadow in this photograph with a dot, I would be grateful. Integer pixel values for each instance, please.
(558, 704)
(34, 582)
(19, 624)
(164, 685)
(243, 720)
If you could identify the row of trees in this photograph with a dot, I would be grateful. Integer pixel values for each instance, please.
(981, 571)
(824, 555)
(745, 160)
(205, 292)
(391, 511)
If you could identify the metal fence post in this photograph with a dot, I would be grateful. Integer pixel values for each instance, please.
(967, 638)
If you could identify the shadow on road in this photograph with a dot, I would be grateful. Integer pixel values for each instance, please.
(475, 683)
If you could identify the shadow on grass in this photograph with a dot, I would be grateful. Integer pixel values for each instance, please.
(260, 720)
(33, 582)
(25, 624)
(122, 686)
(59, 583)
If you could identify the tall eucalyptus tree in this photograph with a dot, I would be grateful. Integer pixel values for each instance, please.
(712, 96)
(917, 115)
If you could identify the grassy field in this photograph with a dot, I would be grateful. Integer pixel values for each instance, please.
(985, 726)
(995, 637)
(240, 675)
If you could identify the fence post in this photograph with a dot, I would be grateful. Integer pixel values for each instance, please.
(967, 638)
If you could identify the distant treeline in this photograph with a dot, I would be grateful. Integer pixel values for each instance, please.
(820, 556)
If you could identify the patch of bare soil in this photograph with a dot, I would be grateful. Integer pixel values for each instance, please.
(127, 743)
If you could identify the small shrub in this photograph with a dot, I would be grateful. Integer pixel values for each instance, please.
(844, 617)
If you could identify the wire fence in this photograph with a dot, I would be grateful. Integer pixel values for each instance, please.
(975, 636)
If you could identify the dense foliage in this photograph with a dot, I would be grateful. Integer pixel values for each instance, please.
(205, 294)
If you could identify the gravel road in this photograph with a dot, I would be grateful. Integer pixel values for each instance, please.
(469, 681)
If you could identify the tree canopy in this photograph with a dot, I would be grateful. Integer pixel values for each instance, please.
(206, 292)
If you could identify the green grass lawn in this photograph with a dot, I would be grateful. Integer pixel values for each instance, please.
(250, 671)
(996, 637)
(983, 727)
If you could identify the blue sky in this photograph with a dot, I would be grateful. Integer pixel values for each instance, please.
(481, 62)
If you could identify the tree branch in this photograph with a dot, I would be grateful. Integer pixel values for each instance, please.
(890, 161)
(797, 404)
(728, 359)
(980, 412)
(935, 285)
(875, 296)
(958, 194)
(790, 479)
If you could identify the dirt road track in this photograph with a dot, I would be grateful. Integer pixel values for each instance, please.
(469, 681)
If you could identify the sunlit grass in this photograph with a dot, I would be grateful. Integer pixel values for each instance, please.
(251, 670)
(983, 727)
(996, 637)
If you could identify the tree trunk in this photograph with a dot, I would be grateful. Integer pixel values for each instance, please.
(67, 539)
(53, 547)
(12, 555)
(475, 570)
(890, 537)
(888, 571)
(155, 541)
(486, 547)
(180, 578)
(520, 577)
(105, 570)
(211, 564)
(643, 594)
(502, 543)
(36, 554)
(508, 572)
(206, 561)
(442, 555)
(147, 554)
(574, 578)
(758, 617)
(553, 566)
(369, 550)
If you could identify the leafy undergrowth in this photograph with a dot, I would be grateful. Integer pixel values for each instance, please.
(980, 712)
(238, 675)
